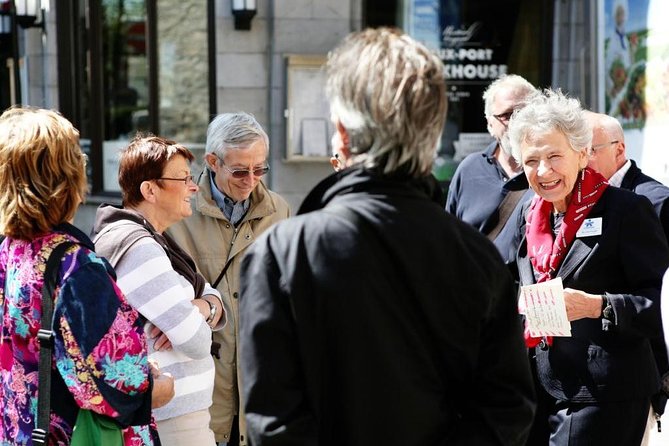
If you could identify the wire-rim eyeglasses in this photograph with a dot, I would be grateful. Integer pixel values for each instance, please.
(596, 147)
(187, 179)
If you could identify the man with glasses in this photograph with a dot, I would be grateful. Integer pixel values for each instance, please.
(489, 186)
(608, 157)
(232, 207)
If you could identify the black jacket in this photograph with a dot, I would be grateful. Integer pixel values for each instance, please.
(608, 360)
(656, 192)
(396, 324)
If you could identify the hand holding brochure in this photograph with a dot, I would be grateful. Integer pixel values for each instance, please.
(544, 309)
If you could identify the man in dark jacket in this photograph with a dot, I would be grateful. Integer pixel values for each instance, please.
(608, 157)
(489, 187)
(350, 331)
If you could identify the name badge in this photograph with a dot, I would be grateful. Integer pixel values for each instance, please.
(590, 227)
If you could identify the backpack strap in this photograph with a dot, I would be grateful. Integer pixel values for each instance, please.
(45, 336)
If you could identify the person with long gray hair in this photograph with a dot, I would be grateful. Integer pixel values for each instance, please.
(232, 207)
(357, 325)
(607, 247)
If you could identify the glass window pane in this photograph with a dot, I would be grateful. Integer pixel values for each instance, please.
(183, 73)
(125, 67)
(125, 80)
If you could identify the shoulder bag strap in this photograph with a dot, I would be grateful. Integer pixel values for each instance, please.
(45, 336)
(505, 210)
(223, 271)
(215, 345)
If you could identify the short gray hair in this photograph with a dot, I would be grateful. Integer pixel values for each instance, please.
(546, 112)
(520, 87)
(389, 93)
(233, 131)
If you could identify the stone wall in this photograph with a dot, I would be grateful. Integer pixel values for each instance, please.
(251, 72)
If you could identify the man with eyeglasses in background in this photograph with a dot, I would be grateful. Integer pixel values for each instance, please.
(231, 209)
(489, 186)
(608, 157)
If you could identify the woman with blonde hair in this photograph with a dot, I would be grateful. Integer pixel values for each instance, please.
(99, 349)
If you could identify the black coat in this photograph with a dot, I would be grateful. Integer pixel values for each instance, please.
(605, 360)
(658, 194)
(393, 325)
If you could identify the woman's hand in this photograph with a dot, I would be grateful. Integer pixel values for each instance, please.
(582, 305)
(160, 340)
(163, 386)
(202, 305)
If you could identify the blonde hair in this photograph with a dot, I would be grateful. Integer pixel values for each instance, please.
(43, 175)
(389, 93)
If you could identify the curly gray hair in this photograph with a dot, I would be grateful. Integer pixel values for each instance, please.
(546, 112)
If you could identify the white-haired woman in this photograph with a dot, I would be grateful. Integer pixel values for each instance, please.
(608, 248)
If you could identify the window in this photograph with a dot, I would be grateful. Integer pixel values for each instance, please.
(477, 40)
(128, 66)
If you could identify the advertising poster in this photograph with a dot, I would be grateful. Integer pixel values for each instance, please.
(473, 40)
(635, 63)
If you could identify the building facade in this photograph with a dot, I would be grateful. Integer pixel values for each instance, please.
(115, 67)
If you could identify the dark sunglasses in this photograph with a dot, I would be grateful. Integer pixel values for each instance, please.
(243, 173)
(504, 117)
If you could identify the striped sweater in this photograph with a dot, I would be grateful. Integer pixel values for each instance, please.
(163, 297)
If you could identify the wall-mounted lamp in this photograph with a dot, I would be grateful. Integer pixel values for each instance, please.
(243, 11)
(27, 12)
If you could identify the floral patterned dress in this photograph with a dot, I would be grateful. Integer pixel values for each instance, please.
(99, 356)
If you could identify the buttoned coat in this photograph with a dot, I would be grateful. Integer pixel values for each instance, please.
(658, 194)
(609, 360)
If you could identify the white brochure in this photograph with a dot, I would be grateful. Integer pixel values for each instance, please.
(544, 309)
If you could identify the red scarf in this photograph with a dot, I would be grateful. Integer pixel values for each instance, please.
(547, 252)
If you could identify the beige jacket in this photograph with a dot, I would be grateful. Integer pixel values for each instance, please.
(212, 241)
